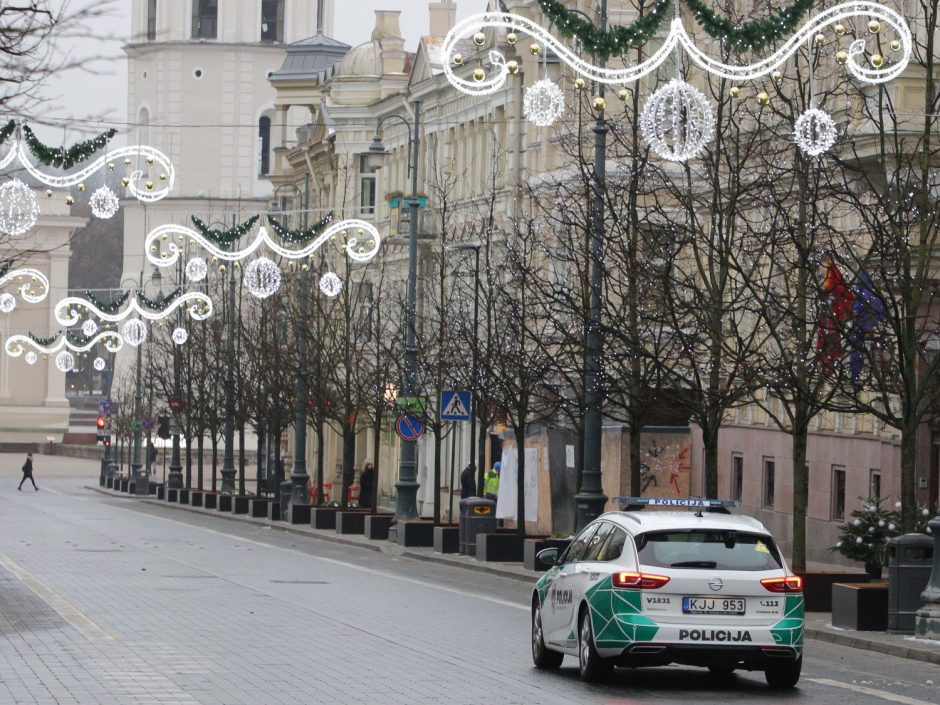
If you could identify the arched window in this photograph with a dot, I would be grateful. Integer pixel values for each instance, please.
(143, 126)
(264, 145)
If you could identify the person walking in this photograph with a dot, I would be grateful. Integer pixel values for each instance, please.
(151, 458)
(28, 473)
(468, 483)
(491, 482)
(366, 482)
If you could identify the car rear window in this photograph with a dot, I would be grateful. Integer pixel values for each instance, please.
(708, 549)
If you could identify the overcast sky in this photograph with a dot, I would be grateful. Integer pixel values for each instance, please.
(100, 91)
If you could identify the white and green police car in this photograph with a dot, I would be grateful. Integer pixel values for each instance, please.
(649, 588)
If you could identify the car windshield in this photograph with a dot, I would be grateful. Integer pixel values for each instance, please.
(709, 549)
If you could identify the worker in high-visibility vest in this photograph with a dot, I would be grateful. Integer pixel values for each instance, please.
(491, 482)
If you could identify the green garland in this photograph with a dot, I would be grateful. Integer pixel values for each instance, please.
(303, 236)
(7, 130)
(78, 339)
(5, 267)
(60, 157)
(112, 306)
(749, 36)
(44, 342)
(161, 303)
(614, 41)
(224, 238)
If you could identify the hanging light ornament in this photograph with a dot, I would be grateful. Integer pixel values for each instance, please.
(815, 132)
(196, 269)
(19, 208)
(65, 361)
(134, 332)
(89, 328)
(99, 364)
(677, 121)
(331, 284)
(262, 277)
(7, 302)
(544, 103)
(104, 203)
(31, 358)
(180, 336)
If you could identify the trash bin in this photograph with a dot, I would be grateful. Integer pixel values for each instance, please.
(910, 560)
(477, 516)
(286, 490)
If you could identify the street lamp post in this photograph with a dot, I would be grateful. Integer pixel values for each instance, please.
(406, 504)
(175, 480)
(228, 459)
(138, 471)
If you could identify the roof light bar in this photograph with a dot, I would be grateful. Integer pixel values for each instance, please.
(691, 502)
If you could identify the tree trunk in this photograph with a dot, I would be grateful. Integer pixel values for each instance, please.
(710, 471)
(438, 443)
(481, 454)
(376, 452)
(215, 462)
(349, 461)
(319, 428)
(520, 482)
(636, 461)
(908, 478)
(241, 460)
(200, 460)
(262, 460)
(800, 498)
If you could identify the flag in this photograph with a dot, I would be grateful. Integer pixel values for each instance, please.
(834, 311)
(868, 312)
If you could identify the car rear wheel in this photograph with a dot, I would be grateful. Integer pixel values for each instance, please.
(541, 656)
(784, 675)
(592, 666)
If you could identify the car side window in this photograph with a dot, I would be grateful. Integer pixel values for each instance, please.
(613, 547)
(576, 549)
(597, 542)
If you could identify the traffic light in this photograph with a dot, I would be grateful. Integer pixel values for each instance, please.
(107, 441)
(163, 427)
(102, 433)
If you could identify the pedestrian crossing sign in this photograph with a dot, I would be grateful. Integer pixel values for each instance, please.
(455, 406)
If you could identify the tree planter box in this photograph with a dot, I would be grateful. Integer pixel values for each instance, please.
(172, 495)
(323, 517)
(131, 488)
(531, 548)
(124, 485)
(153, 487)
(415, 534)
(446, 539)
(860, 606)
(239, 504)
(817, 587)
(377, 525)
(196, 498)
(503, 548)
(299, 514)
(274, 510)
(258, 508)
(161, 492)
(224, 502)
(184, 496)
(109, 483)
(210, 500)
(350, 522)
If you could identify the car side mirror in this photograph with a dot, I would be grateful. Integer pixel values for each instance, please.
(548, 556)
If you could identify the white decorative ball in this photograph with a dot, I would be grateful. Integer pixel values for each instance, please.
(180, 336)
(262, 277)
(89, 328)
(897, 505)
(858, 540)
(892, 527)
(815, 132)
(196, 269)
(31, 358)
(65, 361)
(19, 208)
(134, 332)
(925, 512)
(104, 203)
(839, 544)
(7, 302)
(881, 523)
(544, 103)
(857, 522)
(99, 363)
(331, 284)
(677, 121)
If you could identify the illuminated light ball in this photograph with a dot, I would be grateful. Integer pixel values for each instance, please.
(110, 166)
(777, 77)
(65, 361)
(897, 505)
(895, 45)
(70, 200)
(512, 38)
(125, 181)
(82, 187)
(48, 193)
(99, 363)
(892, 527)
(127, 162)
(134, 332)
(458, 59)
(478, 74)
(600, 104)
(262, 277)
(162, 177)
(857, 522)
(150, 161)
(623, 94)
(512, 66)
(19, 208)
(839, 30)
(544, 103)
(31, 358)
(331, 284)
(925, 512)
(815, 132)
(735, 91)
(196, 269)
(874, 26)
(89, 328)
(479, 39)
(180, 336)
(104, 203)
(763, 98)
(579, 83)
(149, 185)
(820, 39)
(534, 49)
(842, 57)
(7, 302)
(677, 121)
(858, 540)
(877, 60)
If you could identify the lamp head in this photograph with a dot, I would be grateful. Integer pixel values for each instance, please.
(376, 155)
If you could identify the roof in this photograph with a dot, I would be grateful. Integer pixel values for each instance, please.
(639, 521)
(313, 58)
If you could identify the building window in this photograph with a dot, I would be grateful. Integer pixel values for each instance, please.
(272, 20)
(264, 145)
(768, 490)
(874, 484)
(151, 20)
(205, 19)
(838, 493)
(737, 476)
(366, 186)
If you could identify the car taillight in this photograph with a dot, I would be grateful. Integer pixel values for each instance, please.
(643, 581)
(791, 583)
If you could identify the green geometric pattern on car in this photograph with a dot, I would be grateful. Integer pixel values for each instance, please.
(789, 630)
(617, 617)
(545, 582)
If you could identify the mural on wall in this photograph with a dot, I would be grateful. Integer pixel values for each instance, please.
(666, 461)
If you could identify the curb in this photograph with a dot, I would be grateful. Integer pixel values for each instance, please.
(881, 647)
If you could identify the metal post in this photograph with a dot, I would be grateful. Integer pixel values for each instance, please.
(475, 354)
(138, 475)
(228, 460)
(406, 504)
(591, 500)
(299, 476)
(927, 622)
(175, 480)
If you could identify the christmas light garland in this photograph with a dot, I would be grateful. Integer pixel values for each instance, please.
(302, 236)
(16, 345)
(69, 310)
(161, 303)
(62, 158)
(111, 306)
(612, 42)
(26, 289)
(6, 131)
(225, 238)
(749, 36)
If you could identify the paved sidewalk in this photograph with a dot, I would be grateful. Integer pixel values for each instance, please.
(818, 624)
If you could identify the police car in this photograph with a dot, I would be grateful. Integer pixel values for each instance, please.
(697, 586)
